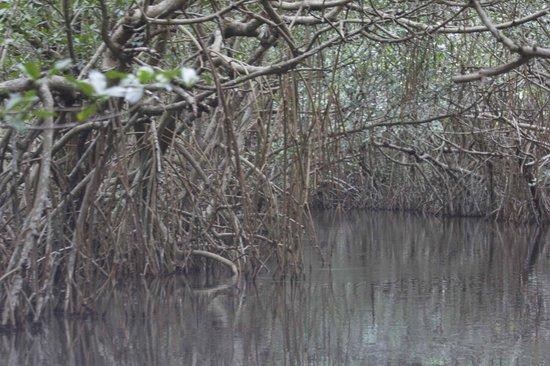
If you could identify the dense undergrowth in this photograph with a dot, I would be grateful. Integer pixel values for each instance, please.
(141, 139)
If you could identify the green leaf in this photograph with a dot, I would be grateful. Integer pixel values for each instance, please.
(42, 113)
(31, 69)
(30, 95)
(115, 74)
(172, 74)
(86, 112)
(145, 75)
(85, 88)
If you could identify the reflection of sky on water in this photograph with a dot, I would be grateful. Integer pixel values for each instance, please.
(399, 290)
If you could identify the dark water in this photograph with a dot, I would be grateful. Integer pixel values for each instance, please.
(400, 290)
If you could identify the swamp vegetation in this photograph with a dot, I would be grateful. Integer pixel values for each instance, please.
(147, 137)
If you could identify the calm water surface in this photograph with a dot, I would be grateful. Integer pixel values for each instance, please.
(395, 289)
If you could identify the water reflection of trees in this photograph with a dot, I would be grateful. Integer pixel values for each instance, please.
(399, 289)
